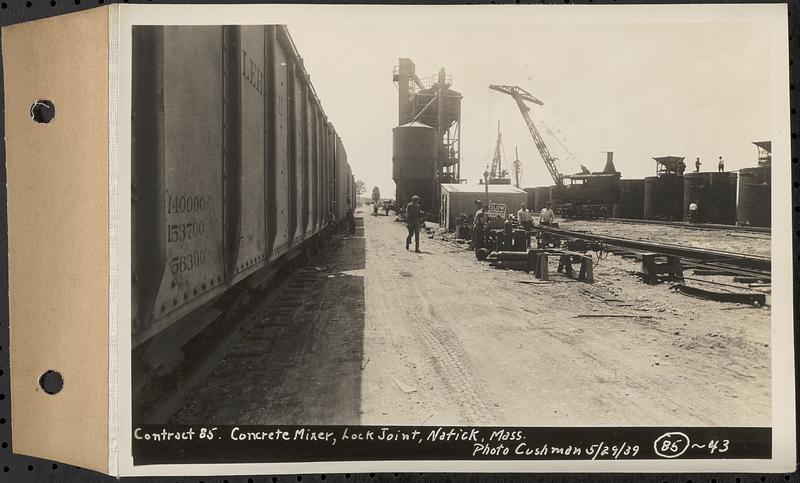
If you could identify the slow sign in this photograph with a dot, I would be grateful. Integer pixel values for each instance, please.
(497, 209)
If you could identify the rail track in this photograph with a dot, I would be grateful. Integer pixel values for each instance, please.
(729, 262)
(692, 226)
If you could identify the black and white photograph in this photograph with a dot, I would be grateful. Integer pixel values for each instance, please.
(489, 236)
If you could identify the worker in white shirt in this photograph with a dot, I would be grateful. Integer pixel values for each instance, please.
(547, 216)
(721, 165)
(524, 217)
(693, 212)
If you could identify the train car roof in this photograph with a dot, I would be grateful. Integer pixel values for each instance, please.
(480, 188)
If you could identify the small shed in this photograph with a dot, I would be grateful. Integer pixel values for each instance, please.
(458, 199)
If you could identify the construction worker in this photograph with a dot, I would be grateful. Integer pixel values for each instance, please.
(721, 165)
(681, 167)
(478, 205)
(697, 165)
(351, 220)
(546, 217)
(479, 228)
(693, 212)
(330, 228)
(413, 222)
(524, 217)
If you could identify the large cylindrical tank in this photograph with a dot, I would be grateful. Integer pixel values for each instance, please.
(541, 197)
(413, 151)
(413, 154)
(755, 207)
(631, 200)
(663, 197)
(715, 195)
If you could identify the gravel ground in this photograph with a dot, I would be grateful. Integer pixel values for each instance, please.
(388, 336)
(725, 240)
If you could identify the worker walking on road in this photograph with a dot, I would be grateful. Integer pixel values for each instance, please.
(547, 217)
(721, 165)
(693, 212)
(413, 222)
(697, 165)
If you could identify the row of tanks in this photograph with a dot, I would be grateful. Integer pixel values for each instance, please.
(668, 195)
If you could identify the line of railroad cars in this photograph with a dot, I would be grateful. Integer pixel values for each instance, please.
(234, 165)
(727, 198)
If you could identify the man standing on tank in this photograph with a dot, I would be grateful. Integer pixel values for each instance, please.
(413, 222)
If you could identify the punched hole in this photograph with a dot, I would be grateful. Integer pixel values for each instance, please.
(43, 111)
(51, 382)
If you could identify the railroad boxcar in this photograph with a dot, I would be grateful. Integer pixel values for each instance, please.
(234, 166)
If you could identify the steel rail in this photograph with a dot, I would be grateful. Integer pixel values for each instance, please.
(735, 261)
(693, 226)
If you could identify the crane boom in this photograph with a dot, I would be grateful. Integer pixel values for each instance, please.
(521, 95)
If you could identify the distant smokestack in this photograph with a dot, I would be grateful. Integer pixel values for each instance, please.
(609, 169)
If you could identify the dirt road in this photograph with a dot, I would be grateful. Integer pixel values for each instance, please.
(370, 333)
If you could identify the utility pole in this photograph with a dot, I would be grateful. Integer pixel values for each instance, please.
(517, 166)
(486, 186)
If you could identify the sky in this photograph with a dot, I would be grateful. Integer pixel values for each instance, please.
(638, 89)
